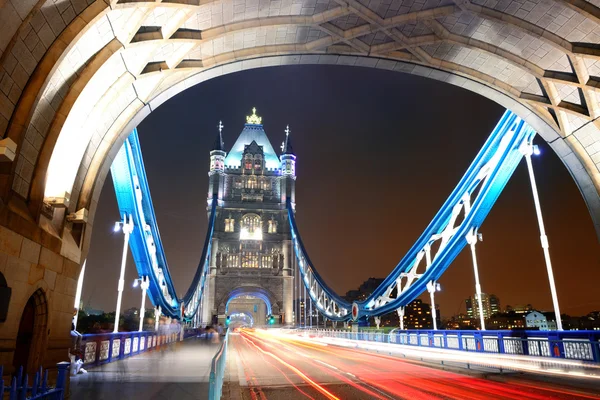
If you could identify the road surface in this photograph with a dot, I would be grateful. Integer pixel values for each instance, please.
(276, 367)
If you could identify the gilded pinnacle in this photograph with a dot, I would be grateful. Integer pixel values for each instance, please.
(254, 119)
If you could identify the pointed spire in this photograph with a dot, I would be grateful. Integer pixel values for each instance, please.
(219, 145)
(286, 147)
(254, 119)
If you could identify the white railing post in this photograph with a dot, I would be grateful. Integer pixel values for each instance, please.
(127, 228)
(431, 288)
(145, 284)
(472, 238)
(527, 150)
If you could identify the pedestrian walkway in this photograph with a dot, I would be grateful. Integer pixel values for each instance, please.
(178, 371)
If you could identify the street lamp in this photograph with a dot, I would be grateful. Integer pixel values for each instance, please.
(144, 282)
(433, 287)
(472, 238)
(527, 149)
(400, 312)
(156, 318)
(127, 227)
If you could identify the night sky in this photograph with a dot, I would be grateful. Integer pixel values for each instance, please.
(378, 154)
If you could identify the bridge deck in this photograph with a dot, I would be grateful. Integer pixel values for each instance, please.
(288, 368)
(177, 371)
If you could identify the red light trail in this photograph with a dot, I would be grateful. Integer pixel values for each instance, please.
(313, 370)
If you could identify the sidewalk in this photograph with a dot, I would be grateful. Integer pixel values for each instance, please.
(231, 383)
(178, 371)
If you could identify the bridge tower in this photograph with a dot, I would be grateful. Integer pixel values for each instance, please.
(251, 266)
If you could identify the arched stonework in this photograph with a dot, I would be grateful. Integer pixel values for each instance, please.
(77, 76)
(227, 290)
(31, 341)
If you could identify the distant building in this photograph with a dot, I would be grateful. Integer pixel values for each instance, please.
(520, 309)
(490, 304)
(460, 321)
(538, 320)
(417, 315)
(364, 290)
(508, 320)
(494, 305)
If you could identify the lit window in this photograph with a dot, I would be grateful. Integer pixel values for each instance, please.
(272, 226)
(251, 183)
(257, 163)
(266, 185)
(249, 259)
(251, 228)
(248, 163)
(229, 224)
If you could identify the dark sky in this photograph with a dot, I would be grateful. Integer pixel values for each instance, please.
(378, 153)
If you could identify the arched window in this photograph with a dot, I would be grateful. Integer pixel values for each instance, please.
(251, 182)
(229, 224)
(251, 227)
(248, 162)
(258, 162)
(272, 226)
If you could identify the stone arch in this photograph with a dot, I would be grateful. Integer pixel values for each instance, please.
(247, 315)
(256, 291)
(67, 63)
(32, 334)
(5, 295)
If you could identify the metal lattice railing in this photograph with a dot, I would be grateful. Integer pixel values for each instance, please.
(569, 345)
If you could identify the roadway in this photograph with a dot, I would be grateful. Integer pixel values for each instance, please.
(289, 367)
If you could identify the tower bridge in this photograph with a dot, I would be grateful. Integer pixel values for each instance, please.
(251, 241)
(77, 77)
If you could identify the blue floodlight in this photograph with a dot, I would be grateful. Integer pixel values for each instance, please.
(536, 150)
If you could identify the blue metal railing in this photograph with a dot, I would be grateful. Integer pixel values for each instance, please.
(20, 388)
(570, 345)
(217, 371)
(104, 348)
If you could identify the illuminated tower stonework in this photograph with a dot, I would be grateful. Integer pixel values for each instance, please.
(251, 257)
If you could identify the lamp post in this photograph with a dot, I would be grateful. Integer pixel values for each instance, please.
(156, 318)
(311, 312)
(127, 227)
(472, 238)
(527, 149)
(144, 283)
(400, 312)
(433, 287)
(78, 294)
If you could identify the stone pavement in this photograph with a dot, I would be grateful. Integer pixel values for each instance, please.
(233, 378)
(178, 371)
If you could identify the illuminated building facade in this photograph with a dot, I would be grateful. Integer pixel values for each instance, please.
(417, 315)
(251, 247)
(490, 303)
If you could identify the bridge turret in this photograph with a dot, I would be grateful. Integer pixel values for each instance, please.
(217, 166)
(288, 169)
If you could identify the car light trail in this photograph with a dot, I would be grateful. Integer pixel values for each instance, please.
(364, 374)
(314, 384)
